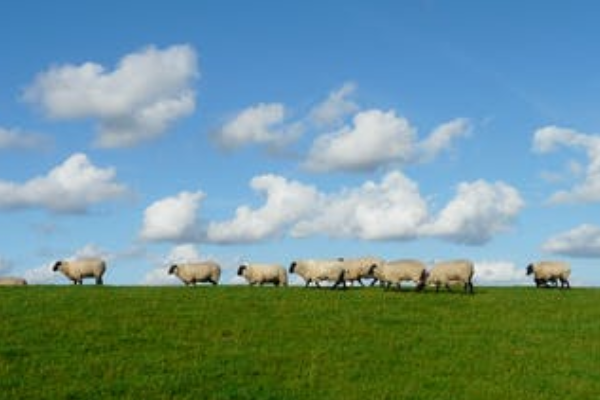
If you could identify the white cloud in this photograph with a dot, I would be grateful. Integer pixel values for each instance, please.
(336, 107)
(135, 102)
(71, 187)
(479, 211)
(499, 273)
(173, 218)
(550, 138)
(19, 140)
(392, 209)
(286, 202)
(442, 137)
(375, 138)
(582, 241)
(261, 124)
(41, 275)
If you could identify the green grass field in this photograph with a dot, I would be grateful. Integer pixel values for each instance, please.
(294, 343)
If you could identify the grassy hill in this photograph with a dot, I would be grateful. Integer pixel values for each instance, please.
(295, 343)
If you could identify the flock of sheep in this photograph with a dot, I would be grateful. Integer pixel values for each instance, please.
(337, 272)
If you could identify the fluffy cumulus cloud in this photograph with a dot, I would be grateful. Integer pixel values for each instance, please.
(499, 273)
(390, 209)
(374, 138)
(286, 202)
(173, 219)
(336, 107)
(71, 187)
(582, 241)
(551, 138)
(137, 101)
(442, 138)
(377, 138)
(15, 139)
(262, 124)
(479, 210)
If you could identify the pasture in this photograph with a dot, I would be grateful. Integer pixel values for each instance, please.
(294, 343)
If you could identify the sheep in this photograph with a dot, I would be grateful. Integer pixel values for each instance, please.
(394, 272)
(550, 271)
(320, 270)
(12, 281)
(191, 273)
(76, 270)
(451, 272)
(263, 273)
(358, 268)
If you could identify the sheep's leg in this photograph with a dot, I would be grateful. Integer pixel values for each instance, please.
(99, 281)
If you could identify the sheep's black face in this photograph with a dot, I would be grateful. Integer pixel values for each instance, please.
(530, 269)
(241, 270)
(172, 269)
(293, 267)
(57, 266)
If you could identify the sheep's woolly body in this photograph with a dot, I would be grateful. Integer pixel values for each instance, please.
(452, 272)
(357, 269)
(12, 281)
(77, 270)
(395, 272)
(264, 273)
(318, 271)
(192, 273)
(550, 271)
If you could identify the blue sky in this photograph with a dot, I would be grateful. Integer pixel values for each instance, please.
(153, 132)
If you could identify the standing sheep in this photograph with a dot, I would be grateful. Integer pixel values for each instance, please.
(452, 272)
(357, 269)
(76, 270)
(550, 271)
(192, 273)
(394, 272)
(12, 281)
(320, 270)
(263, 273)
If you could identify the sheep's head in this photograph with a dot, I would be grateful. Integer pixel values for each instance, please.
(530, 269)
(57, 266)
(372, 269)
(241, 269)
(292, 267)
(173, 269)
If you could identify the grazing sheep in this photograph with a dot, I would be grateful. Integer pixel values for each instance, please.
(12, 281)
(76, 270)
(263, 273)
(452, 272)
(357, 269)
(320, 270)
(192, 273)
(394, 272)
(545, 272)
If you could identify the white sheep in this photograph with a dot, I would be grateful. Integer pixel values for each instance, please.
(357, 269)
(550, 271)
(192, 273)
(452, 272)
(263, 273)
(320, 270)
(12, 281)
(395, 272)
(77, 270)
